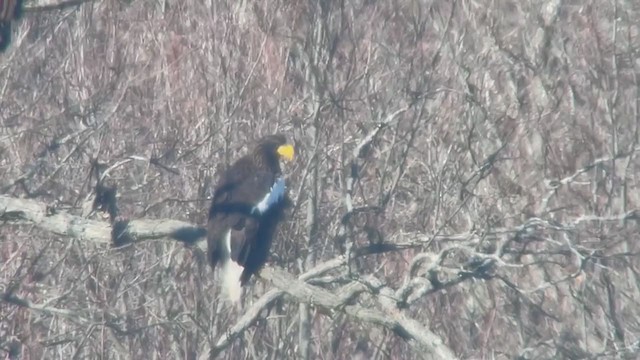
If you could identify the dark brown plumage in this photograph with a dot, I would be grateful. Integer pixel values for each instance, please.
(248, 204)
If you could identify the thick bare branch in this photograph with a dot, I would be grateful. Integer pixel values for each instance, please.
(422, 340)
(32, 212)
(22, 211)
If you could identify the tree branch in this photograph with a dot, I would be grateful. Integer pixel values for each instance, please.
(24, 211)
(30, 212)
(417, 336)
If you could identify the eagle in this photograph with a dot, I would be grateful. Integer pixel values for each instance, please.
(9, 10)
(249, 202)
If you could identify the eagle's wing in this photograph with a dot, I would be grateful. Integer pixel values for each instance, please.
(238, 203)
(254, 197)
(241, 223)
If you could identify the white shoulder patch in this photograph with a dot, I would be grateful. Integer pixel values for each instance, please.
(275, 195)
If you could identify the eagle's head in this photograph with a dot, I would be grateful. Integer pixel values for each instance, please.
(273, 149)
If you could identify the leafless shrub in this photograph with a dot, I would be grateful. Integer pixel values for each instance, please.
(466, 172)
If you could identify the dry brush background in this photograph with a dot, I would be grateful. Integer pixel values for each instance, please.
(476, 162)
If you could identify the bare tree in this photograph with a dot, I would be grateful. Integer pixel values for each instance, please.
(465, 183)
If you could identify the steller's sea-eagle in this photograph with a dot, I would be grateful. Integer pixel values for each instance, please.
(248, 203)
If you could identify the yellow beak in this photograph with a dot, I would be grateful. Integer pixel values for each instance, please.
(286, 152)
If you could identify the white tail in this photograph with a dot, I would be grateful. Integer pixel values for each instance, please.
(231, 272)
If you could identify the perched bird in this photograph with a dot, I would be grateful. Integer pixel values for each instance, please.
(9, 10)
(248, 203)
